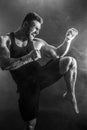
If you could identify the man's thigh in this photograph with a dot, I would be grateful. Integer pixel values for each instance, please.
(26, 73)
(49, 74)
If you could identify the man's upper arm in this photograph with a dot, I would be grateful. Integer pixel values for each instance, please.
(50, 50)
(4, 50)
(4, 43)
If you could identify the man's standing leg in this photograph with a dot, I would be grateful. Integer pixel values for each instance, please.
(68, 67)
(28, 105)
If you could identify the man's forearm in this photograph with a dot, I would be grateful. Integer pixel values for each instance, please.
(63, 48)
(17, 63)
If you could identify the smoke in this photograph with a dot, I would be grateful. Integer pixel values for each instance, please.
(58, 15)
(79, 50)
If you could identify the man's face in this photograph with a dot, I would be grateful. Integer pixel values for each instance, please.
(34, 29)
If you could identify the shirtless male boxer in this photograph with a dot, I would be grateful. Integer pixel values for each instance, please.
(21, 52)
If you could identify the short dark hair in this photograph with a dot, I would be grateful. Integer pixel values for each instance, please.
(32, 16)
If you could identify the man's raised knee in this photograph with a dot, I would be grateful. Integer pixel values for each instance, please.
(73, 63)
(67, 63)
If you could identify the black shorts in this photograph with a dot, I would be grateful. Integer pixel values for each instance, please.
(31, 79)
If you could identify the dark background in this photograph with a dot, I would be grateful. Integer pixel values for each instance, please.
(59, 15)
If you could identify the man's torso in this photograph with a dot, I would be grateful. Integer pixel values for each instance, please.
(16, 51)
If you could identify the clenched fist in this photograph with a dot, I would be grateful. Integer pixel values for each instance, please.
(71, 34)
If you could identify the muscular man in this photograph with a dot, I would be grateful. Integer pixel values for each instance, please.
(21, 53)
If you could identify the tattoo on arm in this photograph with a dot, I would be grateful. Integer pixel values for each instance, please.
(17, 63)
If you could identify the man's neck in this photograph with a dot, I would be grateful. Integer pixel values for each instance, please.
(22, 38)
(21, 35)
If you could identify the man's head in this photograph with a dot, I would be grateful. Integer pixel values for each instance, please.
(31, 17)
(32, 22)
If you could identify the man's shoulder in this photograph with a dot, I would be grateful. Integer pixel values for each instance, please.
(41, 41)
(4, 39)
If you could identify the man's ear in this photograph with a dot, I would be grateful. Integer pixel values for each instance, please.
(26, 24)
